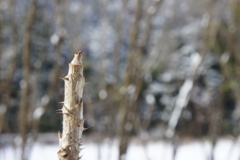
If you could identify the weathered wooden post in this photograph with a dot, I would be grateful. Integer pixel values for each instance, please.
(72, 110)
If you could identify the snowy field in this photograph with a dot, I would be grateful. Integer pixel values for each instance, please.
(226, 149)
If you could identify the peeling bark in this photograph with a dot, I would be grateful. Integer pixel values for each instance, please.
(72, 110)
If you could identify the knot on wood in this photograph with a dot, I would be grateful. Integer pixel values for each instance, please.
(63, 154)
(66, 153)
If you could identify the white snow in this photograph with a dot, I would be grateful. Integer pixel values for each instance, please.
(226, 149)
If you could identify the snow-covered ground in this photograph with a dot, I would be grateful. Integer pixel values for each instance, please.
(226, 149)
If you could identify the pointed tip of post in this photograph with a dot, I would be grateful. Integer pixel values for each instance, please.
(79, 53)
(77, 58)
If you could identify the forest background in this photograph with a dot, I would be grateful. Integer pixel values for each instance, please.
(156, 69)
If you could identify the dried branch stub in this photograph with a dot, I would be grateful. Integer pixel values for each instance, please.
(72, 110)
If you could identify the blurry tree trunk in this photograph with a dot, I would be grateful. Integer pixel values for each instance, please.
(25, 86)
(72, 110)
(133, 81)
(128, 108)
(143, 124)
(235, 41)
(3, 106)
(184, 95)
(118, 40)
(182, 101)
(215, 121)
(224, 40)
(221, 41)
(6, 93)
(144, 51)
(2, 23)
(1, 36)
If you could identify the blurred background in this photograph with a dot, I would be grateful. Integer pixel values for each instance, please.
(157, 70)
